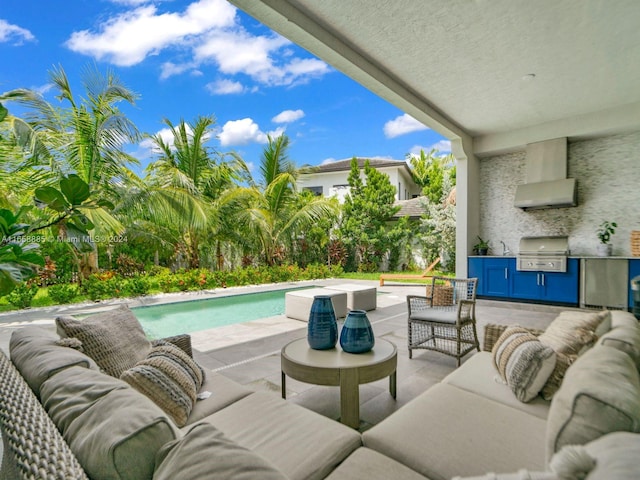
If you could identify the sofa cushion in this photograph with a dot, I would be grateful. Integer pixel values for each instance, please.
(37, 357)
(626, 339)
(114, 430)
(621, 318)
(170, 378)
(519, 475)
(573, 330)
(523, 362)
(367, 464)
(478, 375)
(600, 394)
(204, 452)
(224, 392)
(448, 431)
(300, 443)
(114, 339)
(612, 456)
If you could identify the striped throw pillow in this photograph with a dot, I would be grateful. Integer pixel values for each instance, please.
(523, 362)
(170, 378)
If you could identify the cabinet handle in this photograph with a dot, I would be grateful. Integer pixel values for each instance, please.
(542, 275)
(537, 279)
(506, 273)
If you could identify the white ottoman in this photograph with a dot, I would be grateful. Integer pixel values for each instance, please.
(297, 304)
(359, 297)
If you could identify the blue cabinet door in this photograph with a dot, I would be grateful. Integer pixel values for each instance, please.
(634, 271)
(548, 286)
(525, 285)
(497, 278)
(475, 270)
(562, 287)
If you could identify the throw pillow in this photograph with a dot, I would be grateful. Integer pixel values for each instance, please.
(114, 339)
(554, 381)
(170, 378)
(614, 455)
(523, 362)
(183, 458)
(572, 331)
(600, 394)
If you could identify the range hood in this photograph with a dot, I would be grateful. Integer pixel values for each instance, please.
(547, 185)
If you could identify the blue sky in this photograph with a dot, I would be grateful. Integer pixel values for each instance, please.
(190, 58)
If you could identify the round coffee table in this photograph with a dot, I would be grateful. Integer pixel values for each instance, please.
(335, 367)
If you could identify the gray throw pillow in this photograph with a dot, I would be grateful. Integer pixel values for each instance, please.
(170, 378)
(523, 362)
(114, 339)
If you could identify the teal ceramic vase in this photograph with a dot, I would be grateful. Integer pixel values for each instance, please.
(357, 335)
(322, 329)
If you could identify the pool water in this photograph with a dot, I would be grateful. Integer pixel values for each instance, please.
(170, 319)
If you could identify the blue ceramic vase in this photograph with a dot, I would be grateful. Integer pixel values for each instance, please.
(322, 330)
(356, 335)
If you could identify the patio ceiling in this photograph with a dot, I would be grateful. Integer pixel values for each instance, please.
(463, 67)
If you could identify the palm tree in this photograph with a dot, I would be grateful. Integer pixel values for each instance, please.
(86, 137)
(188, 183)
(271, 212)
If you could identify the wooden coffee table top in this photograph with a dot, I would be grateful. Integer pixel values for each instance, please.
(300, 353)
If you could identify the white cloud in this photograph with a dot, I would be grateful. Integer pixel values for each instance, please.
(443, 147)
(239, 52)
(241, 132)
(170, 69)
(288, 116)
(328, 161)
(402, 125)
(225, 87)
(14, 33)
(129, 38)
(206, 32)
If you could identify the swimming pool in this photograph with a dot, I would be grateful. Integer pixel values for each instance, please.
(170, 319)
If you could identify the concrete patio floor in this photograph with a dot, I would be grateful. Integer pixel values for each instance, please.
(249, 353)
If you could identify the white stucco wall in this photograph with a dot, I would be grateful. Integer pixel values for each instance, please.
(398, 177)
(607, 171)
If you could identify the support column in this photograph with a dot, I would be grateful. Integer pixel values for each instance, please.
(467, 201)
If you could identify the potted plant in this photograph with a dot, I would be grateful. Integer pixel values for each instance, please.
(482, 247)
(604, 232)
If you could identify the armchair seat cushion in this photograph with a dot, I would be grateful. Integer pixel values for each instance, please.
(436, 315)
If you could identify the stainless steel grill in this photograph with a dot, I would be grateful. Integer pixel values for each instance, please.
(543, 254)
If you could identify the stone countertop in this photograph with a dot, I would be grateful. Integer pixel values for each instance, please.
(619, 257)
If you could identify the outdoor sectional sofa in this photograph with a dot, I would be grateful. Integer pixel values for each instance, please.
(62, 417)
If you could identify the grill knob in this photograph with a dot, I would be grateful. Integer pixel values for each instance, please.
(551, 264)
(529, 264)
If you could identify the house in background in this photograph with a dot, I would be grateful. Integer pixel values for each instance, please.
(331, 179)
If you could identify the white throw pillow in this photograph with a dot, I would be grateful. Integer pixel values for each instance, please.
(523, 362)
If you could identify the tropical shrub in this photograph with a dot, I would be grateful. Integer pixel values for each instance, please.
(22, 295)
(62, 293)
(136, 286)
(104, 285)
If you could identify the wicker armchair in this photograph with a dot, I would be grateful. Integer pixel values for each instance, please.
(444, 320)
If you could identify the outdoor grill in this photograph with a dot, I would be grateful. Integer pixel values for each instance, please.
(543, 254)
